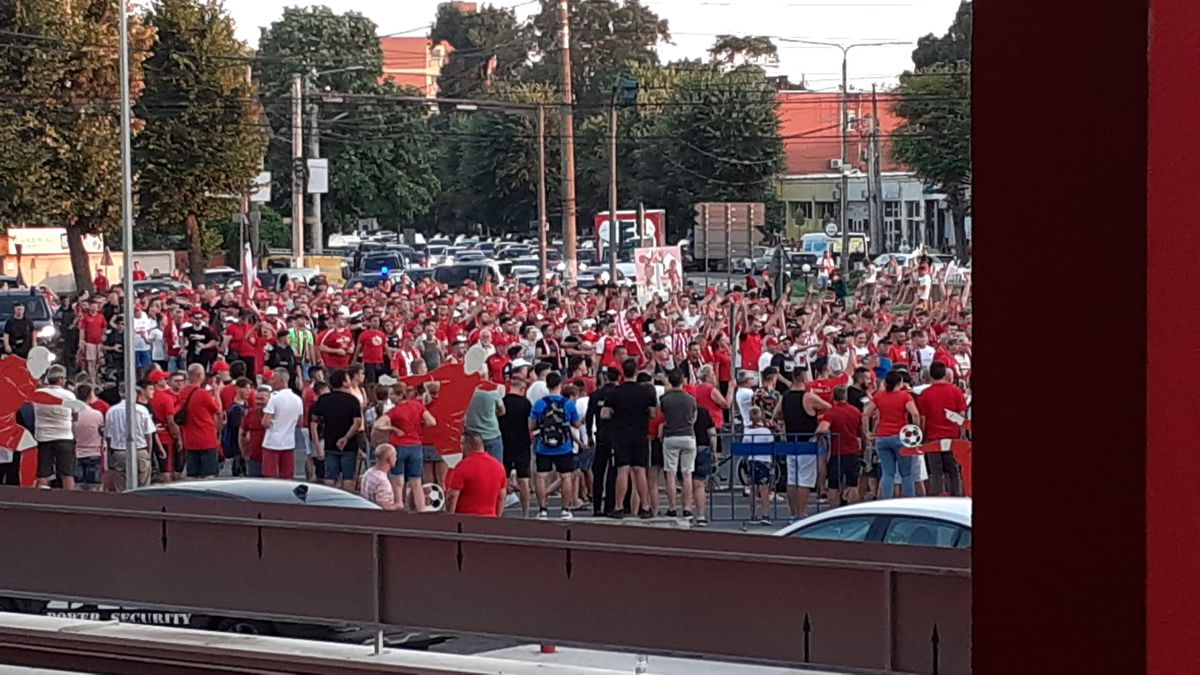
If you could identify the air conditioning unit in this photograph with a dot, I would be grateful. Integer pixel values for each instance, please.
(835, 164)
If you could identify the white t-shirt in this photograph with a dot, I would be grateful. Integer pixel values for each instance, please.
(758, 435)
(141, 331)
(158, 347)
(925, 356)
(743, 398)
(285, 408)
(764, 361)
(537, 391)
(926, 286)
(53, 422)
(581, 405)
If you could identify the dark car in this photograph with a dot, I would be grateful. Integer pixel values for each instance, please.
(382, 262)
(37, 310)
(373, 280)
(458, 274)
(417, 274)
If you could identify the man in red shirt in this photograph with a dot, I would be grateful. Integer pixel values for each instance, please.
(199, 430)
(843, 421)
(337, 345)
(937, 404)
(477, 485)
(823, 383)
(92, 327)
(101, 281)
(253, 432)
(371, 345)
(163, 400)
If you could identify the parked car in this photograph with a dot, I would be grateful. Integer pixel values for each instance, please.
(222, 277)
(37, 310)
(373, 280)
(940, 522)
(458, 274)
(158, 286)
(259, 491)
(382, 262)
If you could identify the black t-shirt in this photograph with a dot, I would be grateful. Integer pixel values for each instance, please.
(600, 428)
(704, 423)
(283, 357)
(20, 335)
(514, 423)
(796, 419)
(196, 336)
(631, 403)
(855, 396)
(336, 412)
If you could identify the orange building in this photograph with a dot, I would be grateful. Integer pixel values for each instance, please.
(810, 185)
(414, 62)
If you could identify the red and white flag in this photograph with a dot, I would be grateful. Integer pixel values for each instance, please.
(247, 275)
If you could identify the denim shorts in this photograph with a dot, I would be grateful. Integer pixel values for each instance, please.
(760, 472)
(341, 465)
(409, 462)
(704, 463)
(142, 360)
(495, 448)
(585, 459)
(87, 470)
(430, 454)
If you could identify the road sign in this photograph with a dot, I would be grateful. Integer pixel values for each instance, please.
(831, 229)
(318, 176)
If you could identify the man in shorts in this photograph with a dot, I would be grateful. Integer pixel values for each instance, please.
(631, 405)
(678, 440)
(552, 419)
(53, 431)
(514, 433)
(706, 440)
(843, 421)
(88, 430)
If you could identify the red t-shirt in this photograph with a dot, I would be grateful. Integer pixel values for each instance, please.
(255, 433)
(308, 397)
(406, 418)
(92, 326)
(163, 407)
(933, 404)
(480, 480)
(101, 405)
(845, 421)
(893, 413)
(496, 364)
(751, 349)
(899, 354)
(704, 399)
(337, 339)
(237, 337)
(139, 275)
(200, 431)
(101, 284)
(724, 364)
(824, 388)
(372, 342)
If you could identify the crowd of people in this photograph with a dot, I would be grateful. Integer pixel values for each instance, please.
(618, 405)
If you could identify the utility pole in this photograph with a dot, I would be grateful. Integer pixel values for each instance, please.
(133, 431)
(844, 206)
(568, 160)
(297, 172)
(314, 149)
(876, 178)
(543, 225)
(614, 224)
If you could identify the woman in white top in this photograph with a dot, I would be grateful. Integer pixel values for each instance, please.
(158, 343)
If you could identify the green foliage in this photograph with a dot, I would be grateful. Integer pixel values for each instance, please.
(382, 158)
(731, 51)
(490, 45)
(58, 124)
(935, 103)
(202, 142)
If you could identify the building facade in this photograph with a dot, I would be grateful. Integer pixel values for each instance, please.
(810, 187)
(415, 62)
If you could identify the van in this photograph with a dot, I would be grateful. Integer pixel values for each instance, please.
(815, 244)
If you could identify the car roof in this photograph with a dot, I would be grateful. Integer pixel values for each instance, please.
(261, 490)
(953, 509)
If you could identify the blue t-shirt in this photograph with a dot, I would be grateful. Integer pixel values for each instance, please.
(572, 413)
(884, 367)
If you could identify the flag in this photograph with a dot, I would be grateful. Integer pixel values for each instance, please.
(247, 274)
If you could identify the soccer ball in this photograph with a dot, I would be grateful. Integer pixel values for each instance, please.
(911, 436)
(435, 497)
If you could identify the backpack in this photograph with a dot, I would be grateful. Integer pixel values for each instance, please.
(553, 429)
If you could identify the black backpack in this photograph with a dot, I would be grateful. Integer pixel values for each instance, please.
(553, 429)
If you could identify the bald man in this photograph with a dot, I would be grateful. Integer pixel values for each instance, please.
(375, 485)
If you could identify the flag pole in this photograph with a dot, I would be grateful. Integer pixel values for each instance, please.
(132, 428)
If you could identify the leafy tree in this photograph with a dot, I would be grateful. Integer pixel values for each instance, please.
(607, 38)
(732, 51)
(935, 103)
(490, 45)
(59, 117)
(202, 143)
(381, 156)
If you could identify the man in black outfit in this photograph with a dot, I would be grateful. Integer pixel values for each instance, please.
(18, 333)
(630, 406)
(336, 419)
(280, 355)
(514, 435)
(604, 471)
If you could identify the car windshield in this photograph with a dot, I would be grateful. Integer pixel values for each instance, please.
(35, 307)
(377, 263)
(456, 275)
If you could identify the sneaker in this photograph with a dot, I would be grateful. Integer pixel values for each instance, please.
(645, 514)
(765, 521)
(566, 515)
(617, 515)
(702, 522)
(511, 500)
(687, 514)
(543, 514)
(671, 513)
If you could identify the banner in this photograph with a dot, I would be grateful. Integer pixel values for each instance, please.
(659, 270)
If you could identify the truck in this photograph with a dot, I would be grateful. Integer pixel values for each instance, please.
(724, 232)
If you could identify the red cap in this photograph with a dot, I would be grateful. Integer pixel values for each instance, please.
(772, 341)
(220, 367)
(158, 376)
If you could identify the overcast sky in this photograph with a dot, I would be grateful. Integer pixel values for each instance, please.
(694, 23)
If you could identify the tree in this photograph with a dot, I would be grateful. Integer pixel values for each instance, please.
(202, 143)
(607, 38)
(60, 117)
(381, 156)
(733, 51)
(490, 45)
(935, 103)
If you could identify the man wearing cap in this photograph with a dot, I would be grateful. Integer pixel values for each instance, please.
(337, 345)
(281, 356)
(371, 347)
(233, 343)
(300, 339)
(281, 416)
(162, 401)
(201, 341)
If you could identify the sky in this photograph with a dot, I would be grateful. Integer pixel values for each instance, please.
(694, 23)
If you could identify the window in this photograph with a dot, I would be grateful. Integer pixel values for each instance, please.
(36, 308)
(849, 528)
(891, 210)
(802, 211)
(964, 539)
(922, 532)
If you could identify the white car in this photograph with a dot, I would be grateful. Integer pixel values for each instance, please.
(940, 522)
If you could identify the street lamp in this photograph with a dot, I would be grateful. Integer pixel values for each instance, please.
(314, 144)
(845, 176)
